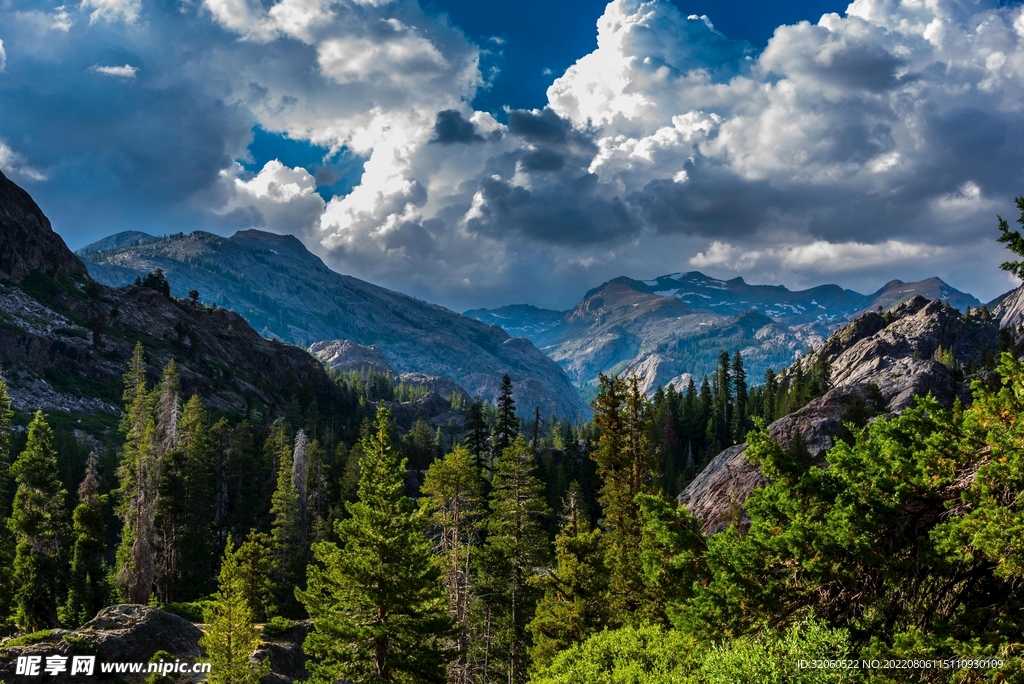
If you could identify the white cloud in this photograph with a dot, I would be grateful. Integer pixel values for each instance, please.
(13, 164)
(113, 10)
(126, 71)
(279, 199)
(816, 257)
(62, 20)
(3, 56)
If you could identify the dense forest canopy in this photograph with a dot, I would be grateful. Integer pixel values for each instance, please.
(512, 547)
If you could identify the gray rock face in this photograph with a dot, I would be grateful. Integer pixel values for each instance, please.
(345, 355)
(123, 633)
(284, 652)
(1009, 309)
(27, 242)
(892, 353)
(286, 292)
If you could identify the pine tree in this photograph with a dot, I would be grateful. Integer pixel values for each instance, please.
(574, 605)
(453, 502)
(507, 427)
(626, 464)
(375, 599)
(476, 432)
(198, 539)
(516, 544)
(87, 591)
(139, 478)
(255, 569)
(38, 522)
(230, 635)
(740, 415)
(287, 553)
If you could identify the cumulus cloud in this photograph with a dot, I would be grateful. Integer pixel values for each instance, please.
(279, 199)
(126, 71)
(885, 138)
(3, 56)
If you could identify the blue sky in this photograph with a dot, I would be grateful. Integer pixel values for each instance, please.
(480, 154)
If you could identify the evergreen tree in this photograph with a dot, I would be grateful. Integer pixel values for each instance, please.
(287, 552)
(255, 569)
(507, 427)
(476, 432)
(198, 539)
(453, 502)
(375, 598)
(138, 475)
(38, 522)
(516, 544)
(230, 635)
(626, 464)
(87, 591)
(740, 416)
(721, 386)
(574, 605)
(242, 480)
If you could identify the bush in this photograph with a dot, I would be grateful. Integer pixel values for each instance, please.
(277, 626)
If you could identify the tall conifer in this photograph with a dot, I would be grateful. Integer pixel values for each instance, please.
(378, 610)
(230, 635)
(87, 591)
(39, 523)
(453, 502)
(574, 605)
(516, 544)
(139, 478)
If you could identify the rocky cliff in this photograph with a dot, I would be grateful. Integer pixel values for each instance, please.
(918, 347)
(65, 340)
(27, 242)
(286, 292)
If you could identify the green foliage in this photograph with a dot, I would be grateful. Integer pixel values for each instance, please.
(39, 525)
(287, 550)
(137, 494)
(1013, 241)
(87, 591)
(230, 635)
(625, 462)
(650, 655)
(29, 639)
(375, 599)
(516, 544)
(452, 500)
(193, 611)
(277, 626)
(575, 591)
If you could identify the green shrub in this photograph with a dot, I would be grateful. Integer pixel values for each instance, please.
(277, 626)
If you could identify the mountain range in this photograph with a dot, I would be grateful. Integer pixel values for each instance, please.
(672, 328)
(286, 292)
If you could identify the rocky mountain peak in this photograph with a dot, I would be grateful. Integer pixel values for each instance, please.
(27, 241)
(920, 346)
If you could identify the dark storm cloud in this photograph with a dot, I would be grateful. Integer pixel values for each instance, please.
(542, 160)
(451, 128)
(712, 202)
(545, 127)
(568, 212)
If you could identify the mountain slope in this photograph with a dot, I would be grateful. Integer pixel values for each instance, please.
(65, 341)
(285, 291)
(675, 325)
